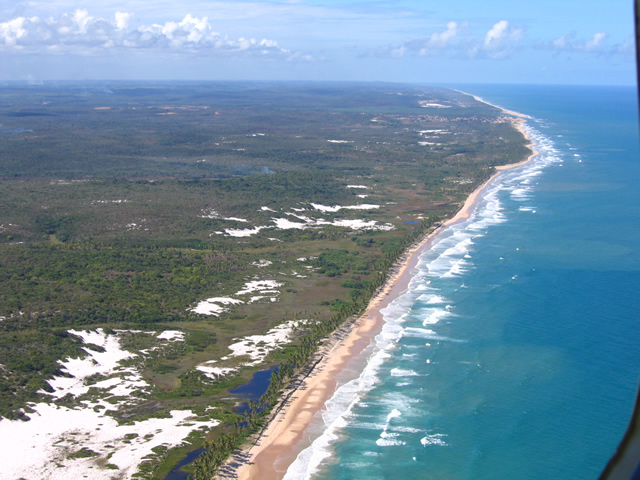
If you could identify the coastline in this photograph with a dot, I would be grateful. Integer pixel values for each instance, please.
(286, 434)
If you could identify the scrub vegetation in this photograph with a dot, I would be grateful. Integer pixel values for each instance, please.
(124, 205)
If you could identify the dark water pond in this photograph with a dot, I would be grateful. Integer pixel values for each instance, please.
(252, 390)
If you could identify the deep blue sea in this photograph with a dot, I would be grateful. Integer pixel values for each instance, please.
(515, 352)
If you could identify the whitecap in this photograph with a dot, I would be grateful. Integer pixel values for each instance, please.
(399, 372)
(432, 299)
(385, 442)
(418, 332)
(434, 316)
(407, 429)
(394, 414)
(457, 269)
(436, 439)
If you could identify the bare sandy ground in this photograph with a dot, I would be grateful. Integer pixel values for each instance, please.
(287, 434)
(50, 446)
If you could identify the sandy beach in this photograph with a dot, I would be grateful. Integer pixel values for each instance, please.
(287, 434)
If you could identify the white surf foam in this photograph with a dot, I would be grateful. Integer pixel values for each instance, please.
(449, 256)
(399, 372)
(432, 299)
(434, 315)
(436, 439)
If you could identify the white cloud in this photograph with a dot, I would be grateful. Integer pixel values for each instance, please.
(442, 40)
(13, 31)
(457, 41)
(502, 39)
(562, 42)
(628, 47)
(82, 18)
(123, 19)
(494, 37)
(435, 43)
(79, 32)
(596, 44)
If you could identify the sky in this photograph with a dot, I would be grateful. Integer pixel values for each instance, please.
(416, 41)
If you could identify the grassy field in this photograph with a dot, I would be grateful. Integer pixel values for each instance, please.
(125, 205)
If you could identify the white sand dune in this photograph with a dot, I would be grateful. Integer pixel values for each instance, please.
(46, 447)
(245, 232)
(337, 208)
(216, 305)
(257, 347)
(308, 222)
(259, 286)
(40, 448)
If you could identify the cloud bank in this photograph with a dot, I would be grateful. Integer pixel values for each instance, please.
(79, 32)
(501, 41)
(595, 45)
(457, 41)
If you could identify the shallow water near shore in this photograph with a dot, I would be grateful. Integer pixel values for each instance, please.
(514, 351)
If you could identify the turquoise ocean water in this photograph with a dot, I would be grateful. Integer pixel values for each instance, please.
(515, 352)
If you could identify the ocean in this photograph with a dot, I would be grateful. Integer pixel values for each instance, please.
(515, 352)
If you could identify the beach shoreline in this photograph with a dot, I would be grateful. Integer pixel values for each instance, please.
(287, 432)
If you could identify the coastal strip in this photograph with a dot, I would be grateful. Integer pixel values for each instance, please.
(287, 432)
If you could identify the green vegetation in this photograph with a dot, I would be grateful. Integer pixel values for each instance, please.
(117, 202)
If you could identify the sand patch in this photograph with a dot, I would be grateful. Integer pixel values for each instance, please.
(85, 441)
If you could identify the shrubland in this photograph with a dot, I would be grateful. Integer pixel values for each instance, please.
(124, 205)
